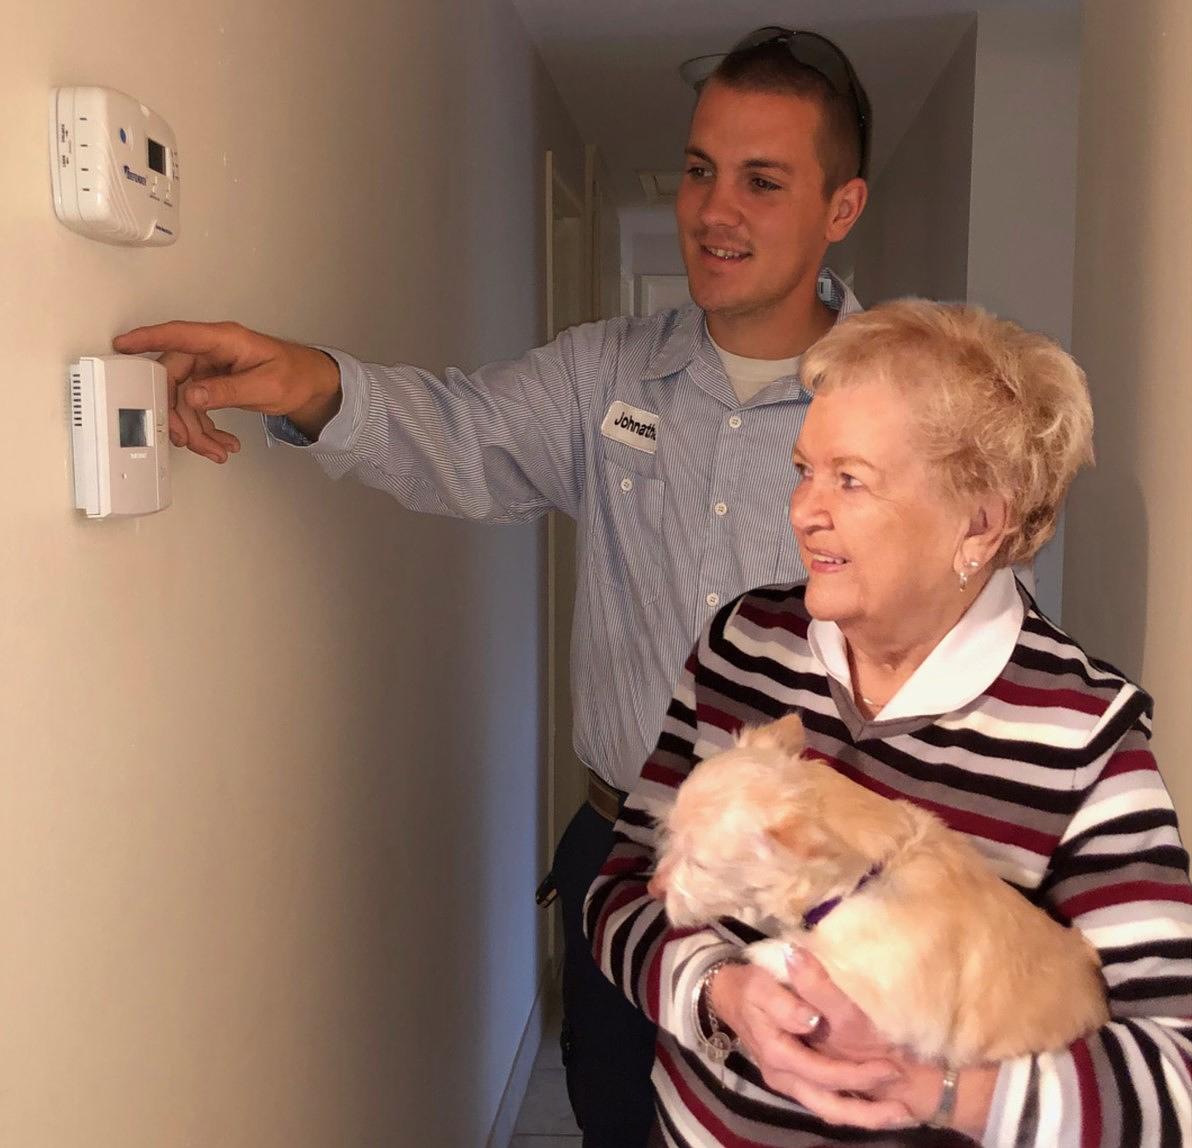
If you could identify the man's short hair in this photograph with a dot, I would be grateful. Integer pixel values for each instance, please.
(840, 139)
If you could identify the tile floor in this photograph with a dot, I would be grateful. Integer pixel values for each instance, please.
(545, 1119)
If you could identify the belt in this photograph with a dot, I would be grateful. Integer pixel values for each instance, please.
(604, 798)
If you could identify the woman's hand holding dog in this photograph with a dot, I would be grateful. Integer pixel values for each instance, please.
(813, 1044)
(919, 1084)
(824, 1053)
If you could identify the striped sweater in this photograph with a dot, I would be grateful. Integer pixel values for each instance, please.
(1048, 773)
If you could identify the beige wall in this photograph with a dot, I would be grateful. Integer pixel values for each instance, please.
(1023, 208)
(270, 768)
(913, 237)
(978, 202)
(1128, 580)
(1022, 215)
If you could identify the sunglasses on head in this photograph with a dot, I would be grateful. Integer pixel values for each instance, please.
(809, 49)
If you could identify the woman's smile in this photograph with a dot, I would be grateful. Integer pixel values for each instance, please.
(823, 563)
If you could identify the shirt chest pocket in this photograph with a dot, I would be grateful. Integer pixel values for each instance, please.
(626, 546)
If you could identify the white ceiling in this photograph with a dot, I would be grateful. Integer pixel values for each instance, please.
(615, 63)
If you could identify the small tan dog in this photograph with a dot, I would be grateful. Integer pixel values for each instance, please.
(904, 914)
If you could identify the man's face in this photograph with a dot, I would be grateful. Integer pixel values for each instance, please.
(753, 218)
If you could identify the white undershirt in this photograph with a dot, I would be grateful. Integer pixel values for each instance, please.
(748, 376)
(965, 662)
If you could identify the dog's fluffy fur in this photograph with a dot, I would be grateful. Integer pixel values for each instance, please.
(944, 957)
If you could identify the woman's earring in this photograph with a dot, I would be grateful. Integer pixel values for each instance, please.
(973, 565)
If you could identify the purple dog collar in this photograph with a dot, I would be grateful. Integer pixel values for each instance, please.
(816, 914)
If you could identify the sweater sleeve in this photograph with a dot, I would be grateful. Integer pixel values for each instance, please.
(1120, 875)
(658, 967)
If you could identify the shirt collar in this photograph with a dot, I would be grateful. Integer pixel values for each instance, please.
(966, 661)
(754, 371)
(689, 334)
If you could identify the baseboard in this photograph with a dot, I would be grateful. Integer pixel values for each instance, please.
(523, 1063)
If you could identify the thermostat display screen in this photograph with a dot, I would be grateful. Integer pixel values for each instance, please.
(157, 156)
(134, 427)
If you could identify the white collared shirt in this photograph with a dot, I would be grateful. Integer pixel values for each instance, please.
(966, 661)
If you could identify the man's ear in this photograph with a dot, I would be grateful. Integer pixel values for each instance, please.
(785, 734)
(846, 205)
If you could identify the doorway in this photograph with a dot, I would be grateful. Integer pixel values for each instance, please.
(572, 246)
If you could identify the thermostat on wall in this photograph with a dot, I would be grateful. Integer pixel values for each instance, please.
(114, 167)
(118, 430)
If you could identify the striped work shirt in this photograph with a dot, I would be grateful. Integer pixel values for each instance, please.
(1047, 771)
(632, 428)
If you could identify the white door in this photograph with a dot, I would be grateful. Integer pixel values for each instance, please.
(654, 293)
(569, 279)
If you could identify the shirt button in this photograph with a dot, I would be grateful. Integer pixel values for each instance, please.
(720, 509)
(713, 599)
(734, 421)
(626, 484)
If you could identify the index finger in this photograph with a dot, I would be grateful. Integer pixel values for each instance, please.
(177, 335)
(789, 1054)
(843, 1108)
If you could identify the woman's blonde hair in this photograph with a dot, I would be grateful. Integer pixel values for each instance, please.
(1002, 410)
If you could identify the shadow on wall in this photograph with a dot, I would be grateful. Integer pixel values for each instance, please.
(444, 929)
(1117, 270)
(1122, 558)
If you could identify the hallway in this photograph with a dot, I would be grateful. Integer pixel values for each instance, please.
(275, 760)
(545, 1119)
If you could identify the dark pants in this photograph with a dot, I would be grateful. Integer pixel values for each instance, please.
(608, 1045)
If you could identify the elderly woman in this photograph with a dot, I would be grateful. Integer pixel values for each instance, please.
(936, 452)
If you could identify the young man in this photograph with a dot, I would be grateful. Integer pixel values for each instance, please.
(664, 438)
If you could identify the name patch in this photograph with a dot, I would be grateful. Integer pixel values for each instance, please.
(632, 426)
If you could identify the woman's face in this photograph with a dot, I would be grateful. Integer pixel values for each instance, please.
(878, 533)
